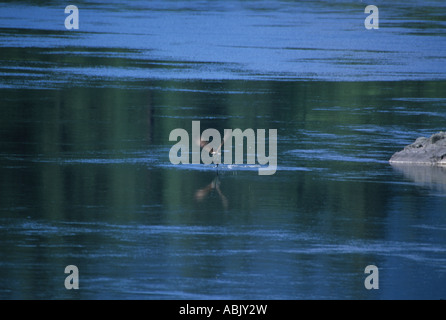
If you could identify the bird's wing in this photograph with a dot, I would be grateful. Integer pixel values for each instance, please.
(226, 137)
(203, 144)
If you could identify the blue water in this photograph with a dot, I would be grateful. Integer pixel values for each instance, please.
(84, 142)
(323, 40)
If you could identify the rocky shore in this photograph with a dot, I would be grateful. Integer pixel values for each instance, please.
(426, 151)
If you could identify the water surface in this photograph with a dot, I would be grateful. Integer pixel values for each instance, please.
(84, 150)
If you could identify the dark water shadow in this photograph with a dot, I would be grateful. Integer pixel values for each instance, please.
(433, 177)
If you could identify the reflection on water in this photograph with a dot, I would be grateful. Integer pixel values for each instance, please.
(433, 177)
(203, 193)
(89, 182)
(84, 150)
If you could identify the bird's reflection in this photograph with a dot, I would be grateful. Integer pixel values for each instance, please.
(203, 193)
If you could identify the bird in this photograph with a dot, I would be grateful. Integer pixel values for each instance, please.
(205, 146)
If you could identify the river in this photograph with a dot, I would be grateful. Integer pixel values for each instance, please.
(86, 178)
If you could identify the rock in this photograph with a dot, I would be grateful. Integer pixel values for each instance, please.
(429, 151)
